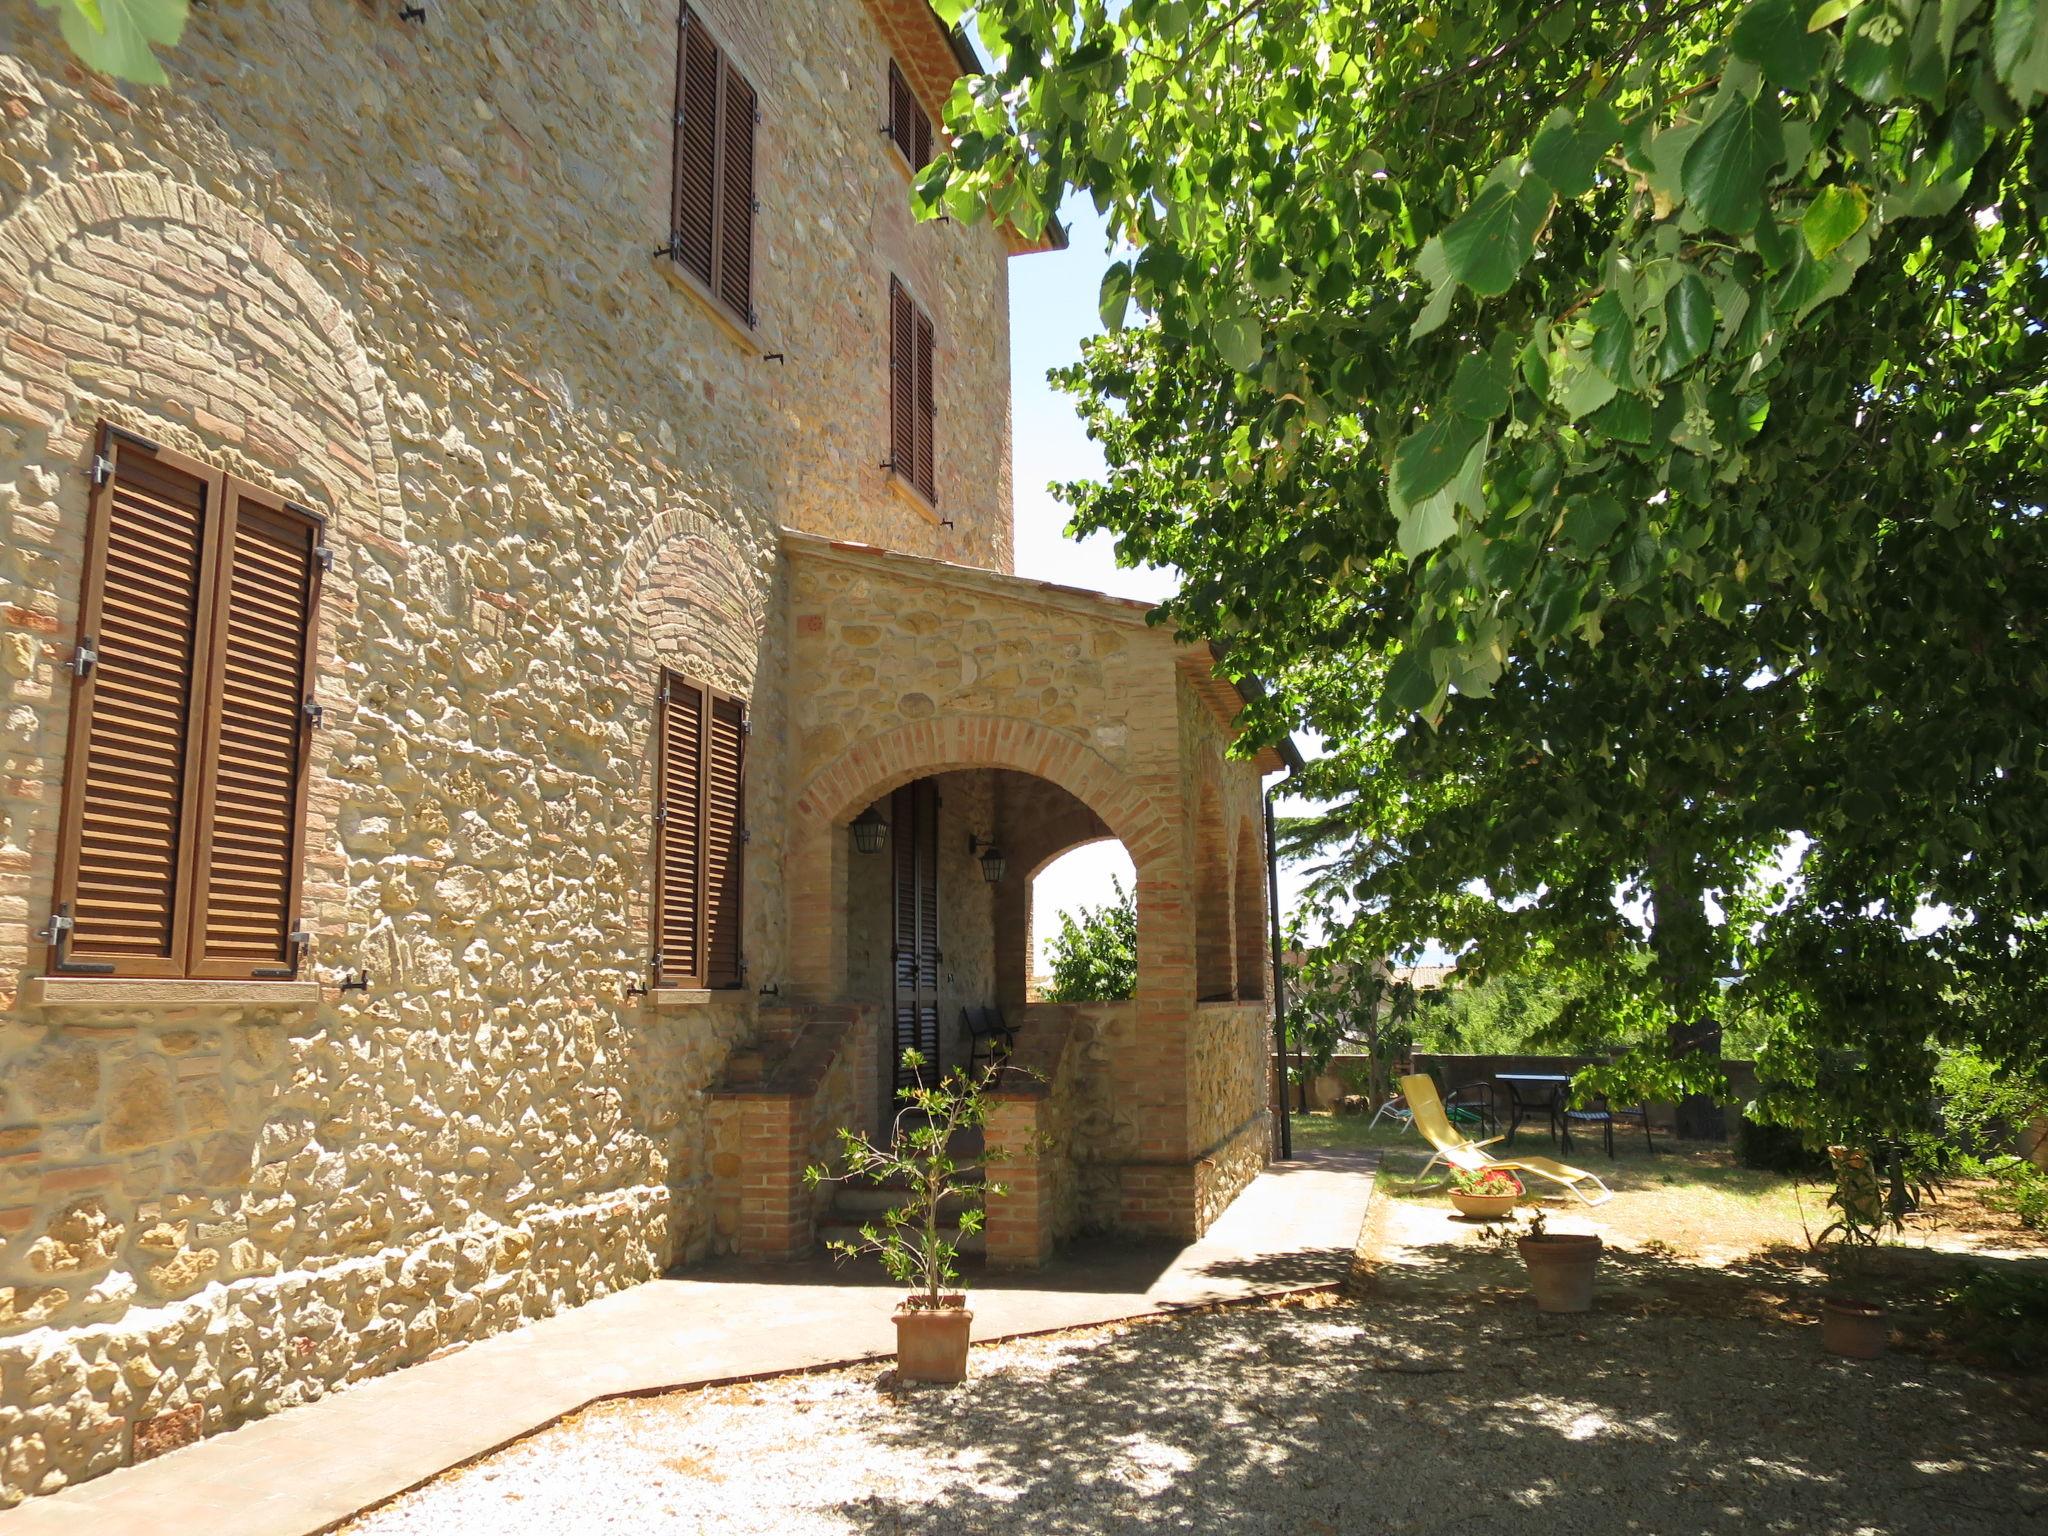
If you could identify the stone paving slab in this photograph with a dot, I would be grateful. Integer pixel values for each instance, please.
(305, 1469)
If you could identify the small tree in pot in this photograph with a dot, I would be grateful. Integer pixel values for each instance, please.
(933, 1324)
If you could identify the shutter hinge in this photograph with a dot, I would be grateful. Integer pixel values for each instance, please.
(83, 660)
(746, 725)
(746, 834)
(323, 556)
(673, 250)
(679, 117)
(315, 714)
(57, 934)
(661, 817)
(102, 469)
(301, 937)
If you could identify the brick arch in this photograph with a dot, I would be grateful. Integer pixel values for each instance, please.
(1248, 911)
(864, 772)
(696, 598)
(297, 395)
(1208, 878)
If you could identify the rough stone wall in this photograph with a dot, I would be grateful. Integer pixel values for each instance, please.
(421, 299)
(1228, 1046)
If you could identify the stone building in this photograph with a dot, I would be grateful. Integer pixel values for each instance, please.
(511, 676)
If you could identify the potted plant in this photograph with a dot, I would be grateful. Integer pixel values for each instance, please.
(1490, 1194)
(1851, 1324)
(933, 1323)
(1561, 1266)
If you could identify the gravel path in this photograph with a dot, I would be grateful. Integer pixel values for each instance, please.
(1340, 1415)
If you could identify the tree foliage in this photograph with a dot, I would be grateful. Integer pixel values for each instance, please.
(1619, 430)
(1095, 955)
(117, 37)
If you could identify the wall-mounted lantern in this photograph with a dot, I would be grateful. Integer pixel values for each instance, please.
(992, 861)
(869, 830)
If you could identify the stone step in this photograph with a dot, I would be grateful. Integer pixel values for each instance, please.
(831, 1229)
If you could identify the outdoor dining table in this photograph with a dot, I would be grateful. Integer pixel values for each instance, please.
(1531, 1091)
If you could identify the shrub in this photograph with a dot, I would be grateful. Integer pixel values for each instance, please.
(2002, 1318)
(1095, 959)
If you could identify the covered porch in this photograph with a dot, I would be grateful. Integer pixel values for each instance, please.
(952, 731)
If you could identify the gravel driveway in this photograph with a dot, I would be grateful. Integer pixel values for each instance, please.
(1340, 1415)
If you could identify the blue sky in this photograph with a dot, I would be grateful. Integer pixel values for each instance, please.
(1052, 307)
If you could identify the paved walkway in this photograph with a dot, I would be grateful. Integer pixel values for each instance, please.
(305, 1469)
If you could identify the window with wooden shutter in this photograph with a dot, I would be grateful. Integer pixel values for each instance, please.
(910, 127)
(711, 219)
(700, 833)
(184, 794)
(913, 398)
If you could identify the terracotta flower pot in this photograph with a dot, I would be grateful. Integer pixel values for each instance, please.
(931, 1343)
(1857, 1329)
(1484, 1207)
(1561, 1266)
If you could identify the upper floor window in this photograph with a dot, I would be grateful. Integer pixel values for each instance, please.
(711, 222)
(699, 834)
(185, 784)
(913, 403)
(910, 129)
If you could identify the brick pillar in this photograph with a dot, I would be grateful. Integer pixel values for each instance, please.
(1019, 1229)
(775, 1208)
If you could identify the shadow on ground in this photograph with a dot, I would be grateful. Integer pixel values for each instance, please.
(1420, 1409)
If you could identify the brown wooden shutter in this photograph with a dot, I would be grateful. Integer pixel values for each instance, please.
(921, 137)
(902, 380)
(925, 414)
(124, 861)
(694, 215)
(736, 197)
(902, 106)
(679, 835)
(247, 851)
(724, 841)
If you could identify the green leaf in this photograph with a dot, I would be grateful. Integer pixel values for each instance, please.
(1875, 52)
(1772, 35)
(2019, 48)
(1116, 295)
(115, 36)
(1568, 147)
(1427, 524)
(1726, 165)
(1833, 216)
(1480, 389)
(1688, 325)
(1240, 341)
(1410, 685)
(1614, 340)
(1590, 521)
(1432, 454)
(1486, 246)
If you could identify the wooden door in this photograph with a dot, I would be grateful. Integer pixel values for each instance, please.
(914, 836)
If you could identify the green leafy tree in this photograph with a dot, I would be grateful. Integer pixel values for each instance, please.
(1095, 955)
(1339, 1000)
(117, 37)
(1619, 429)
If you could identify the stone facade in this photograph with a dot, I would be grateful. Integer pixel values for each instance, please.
(422, 299)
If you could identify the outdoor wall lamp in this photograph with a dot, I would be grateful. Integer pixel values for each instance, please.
(992, 861)
(868, 831)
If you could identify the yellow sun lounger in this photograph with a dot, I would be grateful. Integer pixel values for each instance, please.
(1427, 1106)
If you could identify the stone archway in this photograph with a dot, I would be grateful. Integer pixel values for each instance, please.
(871, 768)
